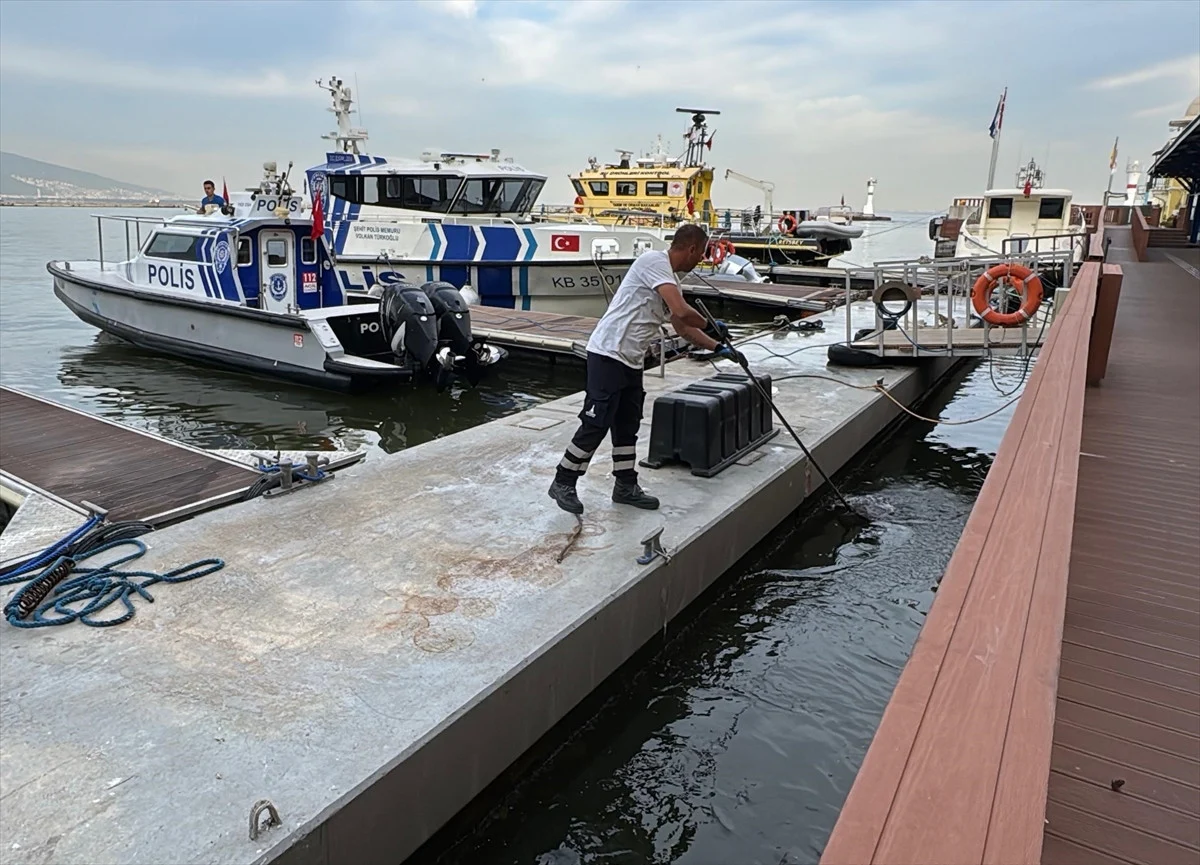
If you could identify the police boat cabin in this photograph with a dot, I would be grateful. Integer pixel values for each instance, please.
(253, 287)
(462, 218)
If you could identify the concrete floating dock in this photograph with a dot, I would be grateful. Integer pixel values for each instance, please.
(377, 650)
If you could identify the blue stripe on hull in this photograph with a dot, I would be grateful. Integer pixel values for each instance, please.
(495, 286)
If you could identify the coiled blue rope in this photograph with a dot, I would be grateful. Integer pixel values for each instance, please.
(97, 588)
(50, 554)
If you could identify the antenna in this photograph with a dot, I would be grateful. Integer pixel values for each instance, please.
(358, 90)
(697, 137)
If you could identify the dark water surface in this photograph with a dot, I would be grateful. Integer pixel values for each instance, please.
(733, 741)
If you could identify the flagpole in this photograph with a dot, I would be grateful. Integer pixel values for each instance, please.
(996, 143)
(1112, 169)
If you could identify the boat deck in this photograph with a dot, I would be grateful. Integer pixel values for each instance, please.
(1129, 681)
(135, 475)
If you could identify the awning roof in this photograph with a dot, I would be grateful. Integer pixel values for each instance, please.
(1181, 158)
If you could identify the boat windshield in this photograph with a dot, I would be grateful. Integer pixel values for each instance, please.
(439, 193)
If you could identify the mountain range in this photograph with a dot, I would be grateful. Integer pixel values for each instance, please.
(22, 177)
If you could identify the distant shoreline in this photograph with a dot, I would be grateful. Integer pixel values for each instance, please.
(93, 202)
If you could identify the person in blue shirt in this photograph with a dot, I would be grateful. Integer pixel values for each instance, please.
(211, 197)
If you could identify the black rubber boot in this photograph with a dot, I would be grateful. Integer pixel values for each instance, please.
(566, 497)
(629, 493)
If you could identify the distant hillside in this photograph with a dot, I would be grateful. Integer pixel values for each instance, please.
(24, 177)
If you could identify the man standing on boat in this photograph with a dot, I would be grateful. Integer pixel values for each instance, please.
(647, 298)
(210, 197)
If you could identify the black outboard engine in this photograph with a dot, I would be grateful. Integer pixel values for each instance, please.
(458, 349)
(409, 323)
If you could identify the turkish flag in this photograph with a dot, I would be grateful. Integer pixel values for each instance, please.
(564, 242)
(318, 214)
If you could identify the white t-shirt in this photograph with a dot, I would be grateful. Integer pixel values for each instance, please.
(637, 313)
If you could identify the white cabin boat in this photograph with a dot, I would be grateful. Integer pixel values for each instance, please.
(1025, 218)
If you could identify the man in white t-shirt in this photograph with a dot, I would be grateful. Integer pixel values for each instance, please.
(649, 297)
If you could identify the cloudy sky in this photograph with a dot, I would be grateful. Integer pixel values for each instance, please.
(814, 96)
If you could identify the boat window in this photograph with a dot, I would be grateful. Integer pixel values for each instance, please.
(476, 195)
(370, 190)
(179, 247)
(1000, 208)
(599, 187)
(345, 188)
(508, 197)
(578, 187)
(1051, 208)
(243, 251)
(308, 250)
(626, 187)
(276, 253)
(421, 193)
(656, 187)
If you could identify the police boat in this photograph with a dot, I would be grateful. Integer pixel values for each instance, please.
(259, 294)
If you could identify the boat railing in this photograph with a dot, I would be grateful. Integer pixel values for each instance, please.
(132, 242)
(1074, 241)
(943, 286)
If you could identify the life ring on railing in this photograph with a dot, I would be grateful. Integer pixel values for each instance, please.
(718, 251)
(787, 223)
(579, 204)
(1020, 277)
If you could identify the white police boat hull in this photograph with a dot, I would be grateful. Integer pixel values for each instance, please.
(260, 298)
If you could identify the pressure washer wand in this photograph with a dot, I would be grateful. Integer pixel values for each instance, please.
(723, 337)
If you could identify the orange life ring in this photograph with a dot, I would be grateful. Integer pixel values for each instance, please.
(787, 223)
(1020, 277)
(729, 248)
(716, 251)
(579, 204)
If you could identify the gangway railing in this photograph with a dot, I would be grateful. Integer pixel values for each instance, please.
(942, 289)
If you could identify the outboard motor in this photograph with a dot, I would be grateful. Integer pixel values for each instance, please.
(459, 350)
(736, 265)
(409, 323)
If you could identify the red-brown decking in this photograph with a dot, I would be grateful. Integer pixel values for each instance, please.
(1129, 681)
(1083, 549)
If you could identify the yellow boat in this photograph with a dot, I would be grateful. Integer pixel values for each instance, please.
(662, 191)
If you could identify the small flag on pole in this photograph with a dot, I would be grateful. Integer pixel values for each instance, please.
(224, 190)
(1112, 160)
(998, 117)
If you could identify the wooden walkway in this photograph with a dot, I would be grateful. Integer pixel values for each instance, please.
(547, 332)
(133, 474)
(1129, 683)
(1083, 548)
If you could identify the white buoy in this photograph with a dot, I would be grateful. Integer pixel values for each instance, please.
(869, 207)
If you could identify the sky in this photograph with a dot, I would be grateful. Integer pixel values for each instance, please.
(815, 97)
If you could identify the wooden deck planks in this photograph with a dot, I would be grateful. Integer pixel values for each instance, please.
(953, 773)
(1129, 691)
(78, 457)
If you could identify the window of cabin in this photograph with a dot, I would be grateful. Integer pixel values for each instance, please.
(370, 189)
(578, 188)
(476, 194)
(243, 251)
(433, 194)
(599, 187)
(177, 247)
(1000, 208)
(1051, 208)
(276, 253)
(345, 188)
(656, 187)
(508, 197)
(308, 250)
(627, 187)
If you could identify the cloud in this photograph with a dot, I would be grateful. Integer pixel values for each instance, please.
(1160, 112)
(460, 8)
(74, 67)
(1185, 68)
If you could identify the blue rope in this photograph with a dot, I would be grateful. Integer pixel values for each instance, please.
(50, 554)
(96, 588)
